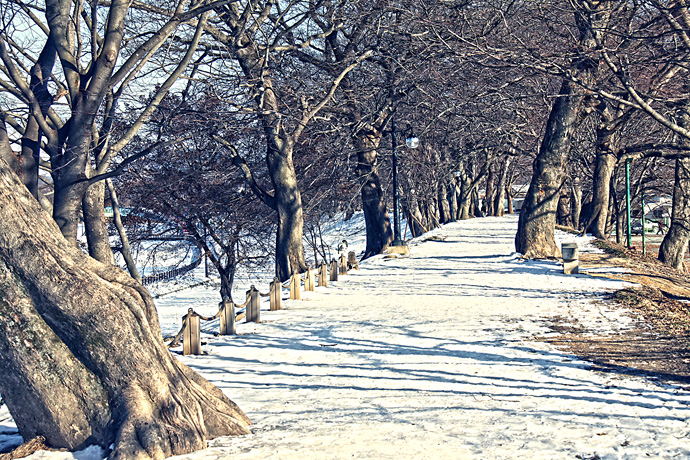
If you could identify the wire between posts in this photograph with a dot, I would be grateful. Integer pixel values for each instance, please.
(302, 277)
(176, 340)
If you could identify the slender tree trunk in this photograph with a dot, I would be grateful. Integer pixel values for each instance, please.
(465, 200)
(31, 140)
(490, 191)
(444, 204)
(117, 219)
(81, 349)
(603, 171)
(453, 192)
(415, 217)
(576, 202)
(563, 212)
(475, 209)
(675, 243)
(613, 207)
(499, 200)
(620, 227)
(95, 226)
(378, 225)
(30, 154)
(6, 152)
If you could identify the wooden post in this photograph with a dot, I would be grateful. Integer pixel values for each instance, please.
(295, 293)
(323, 275)
(191, 338)
(309, 281)
(276, 295)
(227, 317)
(352, 260)
(252, 313)
(334, 270)
(342, 265)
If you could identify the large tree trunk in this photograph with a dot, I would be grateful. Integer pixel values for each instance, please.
(675, 243)
(288, 200)
(535, 236)
(69, 179)
(280, 145)
(81, 352)
(378, 224)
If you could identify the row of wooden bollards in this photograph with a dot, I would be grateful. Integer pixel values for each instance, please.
(191, 322)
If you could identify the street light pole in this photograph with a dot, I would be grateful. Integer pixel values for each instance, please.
(396, 199)
(627, 202)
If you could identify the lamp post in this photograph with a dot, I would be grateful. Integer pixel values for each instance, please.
(411, 142)
(627, 202)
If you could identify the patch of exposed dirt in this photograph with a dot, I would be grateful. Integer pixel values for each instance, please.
(659, 344)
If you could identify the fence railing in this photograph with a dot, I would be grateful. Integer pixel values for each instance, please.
(190, 332)
(196, 260)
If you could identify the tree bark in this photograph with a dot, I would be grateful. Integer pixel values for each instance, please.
(603, 171)
(490, 191)
(444, 204)
(95, 226)
(576, 202)
(6, 151)
(563, 212)
(81, 349)
(280, 145)
(510, 197)
(29, 158)
(675, 243)
(499, 200)
(288, 201)
(465, 200)
(453, 194)
(535, 235)
(378, 224)
(117, 220)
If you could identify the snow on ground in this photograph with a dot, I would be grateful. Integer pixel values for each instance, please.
(431, 357)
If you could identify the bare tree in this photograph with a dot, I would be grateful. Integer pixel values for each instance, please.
(82, 351)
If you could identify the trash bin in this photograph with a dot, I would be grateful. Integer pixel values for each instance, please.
(570, 258)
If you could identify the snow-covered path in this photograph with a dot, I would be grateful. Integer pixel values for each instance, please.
(431, 357)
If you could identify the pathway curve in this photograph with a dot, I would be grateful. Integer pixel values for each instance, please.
(432, 357)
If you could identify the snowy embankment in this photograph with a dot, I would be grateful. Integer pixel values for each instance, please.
(431, 357)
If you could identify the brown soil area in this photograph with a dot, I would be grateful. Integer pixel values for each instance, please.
(659, 345)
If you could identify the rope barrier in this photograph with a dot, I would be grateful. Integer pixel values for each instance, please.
(190, 330)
